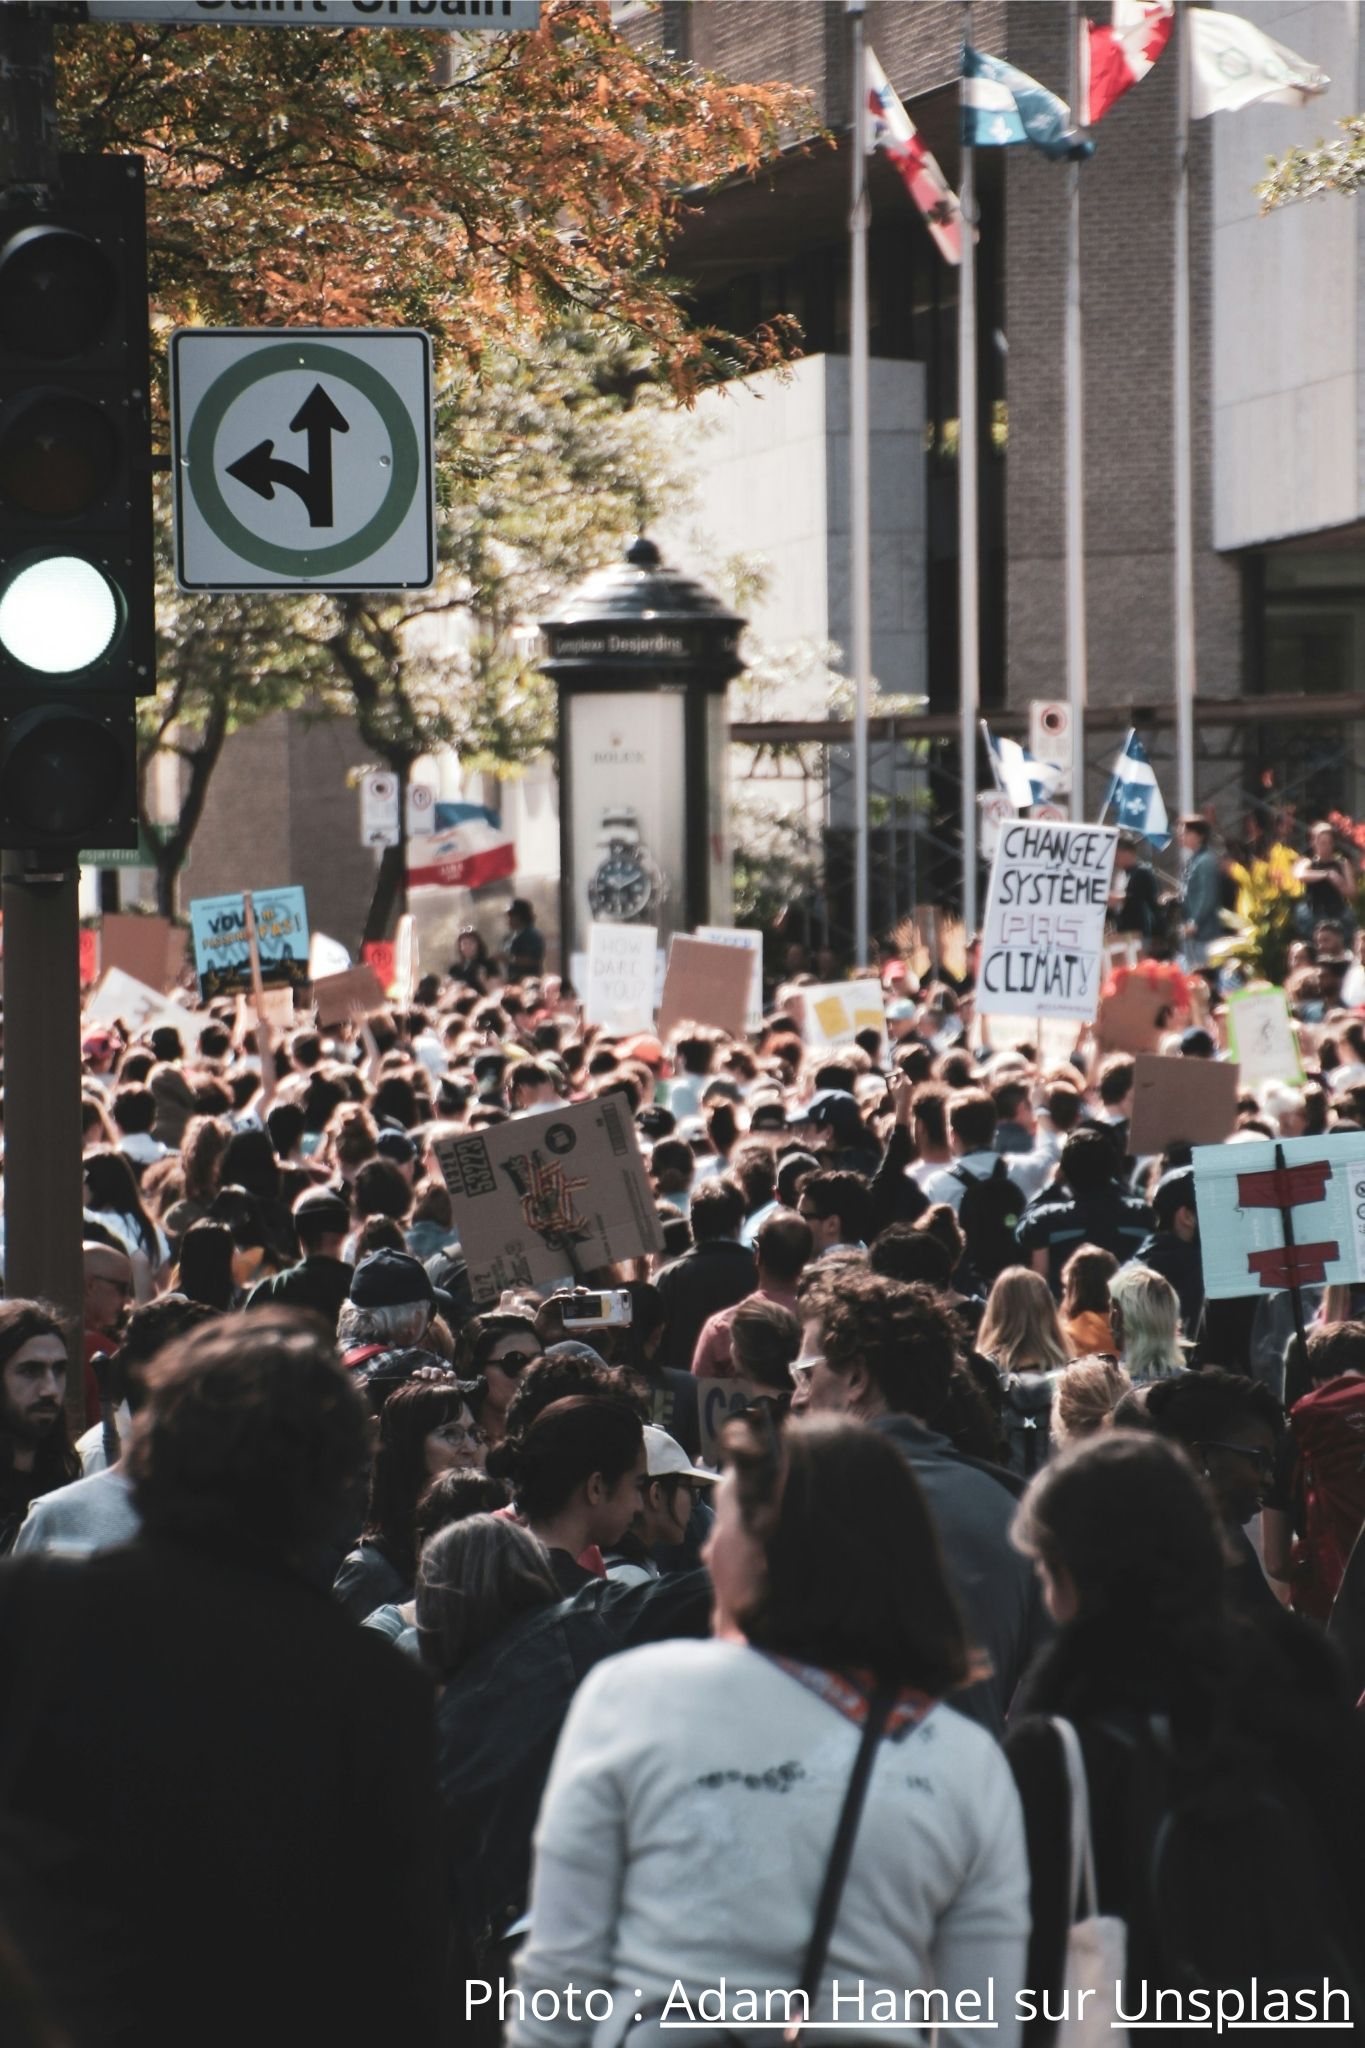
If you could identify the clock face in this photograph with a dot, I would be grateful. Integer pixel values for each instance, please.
(620, 889)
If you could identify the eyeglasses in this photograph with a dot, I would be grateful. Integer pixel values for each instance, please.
(1263, 1460)
(456, 1433)
(514, 1362)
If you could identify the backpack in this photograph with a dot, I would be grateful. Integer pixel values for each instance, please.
(1329, 1429)
(1027, 1416)
(990, 1208)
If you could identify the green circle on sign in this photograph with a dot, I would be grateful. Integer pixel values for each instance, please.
(209, 416)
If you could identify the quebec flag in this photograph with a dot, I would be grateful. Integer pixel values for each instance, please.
(1002, 106)
(1137, 803)
(1024, 780)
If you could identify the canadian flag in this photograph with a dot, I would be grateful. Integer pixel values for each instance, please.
(893, 131)
(1116, 57)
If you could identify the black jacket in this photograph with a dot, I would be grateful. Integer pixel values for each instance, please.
(216, 1779)
(972, 1508)
(1272, 1692)
(709, 1277)
(315, 1283)
(498, 1720)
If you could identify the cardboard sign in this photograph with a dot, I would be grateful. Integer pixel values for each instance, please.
(141, 946)
(719, 1402)
(1241, 1224)
(379, 954)
(1261, 1037)
(222, 950)
(1127, 1021)
(705, 984)
(834, 1012)
(339, 997)
(121, 999)
(1042, 952)
(543, 1198)
(622, 972)
(275, 1007)
(1176, 1100)
(752, 943)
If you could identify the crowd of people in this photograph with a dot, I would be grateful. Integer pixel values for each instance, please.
(382, 1664)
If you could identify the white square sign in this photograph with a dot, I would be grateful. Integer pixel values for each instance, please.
(302, 458)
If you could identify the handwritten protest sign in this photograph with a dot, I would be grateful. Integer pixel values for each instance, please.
(1261, 1037)
(1242, 1195)
(354, 993)
(121, 999)
(622, 976)
(705, 984)
(1180, 1101)
(222, 949)
(543, 1198)
(752, 943)
(719, 1402)
(1042, 951)
(141, 946)
(834, 1012)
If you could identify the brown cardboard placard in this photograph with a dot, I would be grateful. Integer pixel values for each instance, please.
(140, 946)
(719, 1402)
(1177, 1100)
(358, 992)
(705, 984)
(1127, 1022)
(542, 1198)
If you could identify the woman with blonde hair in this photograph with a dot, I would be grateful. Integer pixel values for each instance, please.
(1085, 1301)
(1145, 1317)
(1021, 1330)
(1085, 1397)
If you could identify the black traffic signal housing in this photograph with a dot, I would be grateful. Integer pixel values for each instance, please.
(77, 596)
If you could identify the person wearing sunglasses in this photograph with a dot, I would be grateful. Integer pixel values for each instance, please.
(1232, 1428)
(497, 1349)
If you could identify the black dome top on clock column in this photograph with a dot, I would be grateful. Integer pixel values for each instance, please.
(639, 626)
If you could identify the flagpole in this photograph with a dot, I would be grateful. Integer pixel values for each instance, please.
(1184, 486)
(859, 523)
(1074, 378)
(969, 653)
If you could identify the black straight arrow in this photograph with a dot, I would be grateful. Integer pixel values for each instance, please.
(260, 469)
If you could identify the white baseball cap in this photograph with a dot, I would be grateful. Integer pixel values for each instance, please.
(664, 1454)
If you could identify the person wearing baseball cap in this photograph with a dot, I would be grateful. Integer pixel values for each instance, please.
(672, 1488)
(322, 1279)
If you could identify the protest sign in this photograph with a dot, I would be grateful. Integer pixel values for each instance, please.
(752, 943)
(141, 946)
(355, 993)
(1127, 1020)
(1242, 1196)
(622, 974)
(543, 1198)
(119, 998)
(705, 984)
(1042, 951)
(405, 960)
(89, 958)
(834, 1012)
(719, 1402)
(222, 948)
(326, 956)
(1180, 1101)
(379, 954)
(1261, 1037)
(275, 1007)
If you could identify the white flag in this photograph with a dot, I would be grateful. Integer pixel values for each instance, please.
(1233, 65)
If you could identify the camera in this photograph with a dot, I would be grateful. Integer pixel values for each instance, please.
(612, 1307)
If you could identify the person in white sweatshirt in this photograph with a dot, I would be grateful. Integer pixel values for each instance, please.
(697, 1787)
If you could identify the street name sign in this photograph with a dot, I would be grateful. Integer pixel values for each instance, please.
(454, 16)
(302, 458)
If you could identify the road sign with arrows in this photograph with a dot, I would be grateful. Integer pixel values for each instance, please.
(302, 459)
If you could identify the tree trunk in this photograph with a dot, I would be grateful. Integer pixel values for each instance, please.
(390, 897)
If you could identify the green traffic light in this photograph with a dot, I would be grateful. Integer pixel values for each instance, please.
(59, 614)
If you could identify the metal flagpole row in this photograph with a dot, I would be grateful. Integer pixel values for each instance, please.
(1075, 450)
(1184, 490)
(969, 652)
(860, 524)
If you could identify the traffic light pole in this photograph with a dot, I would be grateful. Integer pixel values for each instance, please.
(43, 1175)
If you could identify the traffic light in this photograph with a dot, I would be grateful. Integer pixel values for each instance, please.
(77, 606)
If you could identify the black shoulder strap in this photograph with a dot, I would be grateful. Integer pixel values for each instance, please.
(841, 1853)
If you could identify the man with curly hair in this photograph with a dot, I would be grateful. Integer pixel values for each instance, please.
(884, 1351)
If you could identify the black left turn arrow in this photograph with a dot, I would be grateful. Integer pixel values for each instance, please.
(260, 469)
